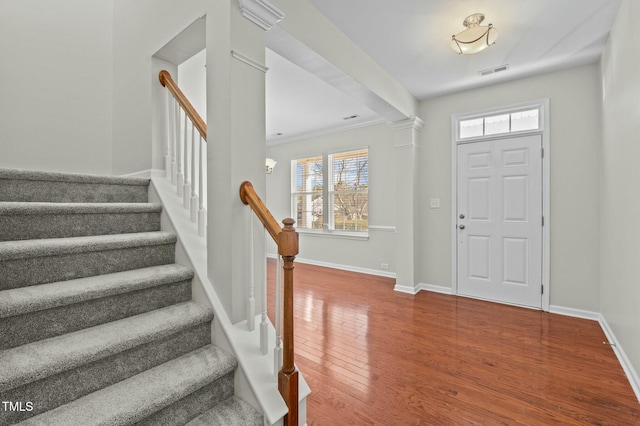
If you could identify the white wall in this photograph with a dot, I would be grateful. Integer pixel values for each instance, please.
(359, 254)
(55, 95)
(575, 121)
(620, 203)
(192, 80)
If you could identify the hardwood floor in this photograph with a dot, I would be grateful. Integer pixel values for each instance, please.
(373, 356)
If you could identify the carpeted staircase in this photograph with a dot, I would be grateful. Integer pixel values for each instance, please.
(97, 325)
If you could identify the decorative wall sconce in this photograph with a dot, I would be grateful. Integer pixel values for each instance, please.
(270, 163)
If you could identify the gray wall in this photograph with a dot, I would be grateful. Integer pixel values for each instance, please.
(357, 254)
(620, 203)
(55, 95)
(575, 122)
(140, 29)
(575, 118)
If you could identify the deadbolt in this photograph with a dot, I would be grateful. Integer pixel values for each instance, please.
(461, 216)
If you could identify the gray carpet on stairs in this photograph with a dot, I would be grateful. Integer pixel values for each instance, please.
(35, 186)
(24, 221)
(97, 324)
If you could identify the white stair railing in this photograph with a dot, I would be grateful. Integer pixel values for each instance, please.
(184, 154)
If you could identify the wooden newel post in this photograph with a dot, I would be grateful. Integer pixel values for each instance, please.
(288, 375)
(287, 240)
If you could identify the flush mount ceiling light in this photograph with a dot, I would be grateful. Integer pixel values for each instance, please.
(475, 38)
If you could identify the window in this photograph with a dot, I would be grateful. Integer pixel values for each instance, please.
(332, 193)
(307, 190)
(349, 191)
(499, 124)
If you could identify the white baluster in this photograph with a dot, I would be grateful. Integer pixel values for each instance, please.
(186, 192)
(277, 351)
(180, 179)
(251, 302)
(167, 155)
(202, 212)
(264, 325)
(194, 196)
(174, 136)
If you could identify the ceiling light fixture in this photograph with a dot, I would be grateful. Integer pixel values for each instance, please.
(475, 38)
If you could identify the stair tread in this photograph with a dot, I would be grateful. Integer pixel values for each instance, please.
(31, 208)
(137, 397)
(36, 360)
(46, 296)
(21, 249)
(230, 412)
(20, 174)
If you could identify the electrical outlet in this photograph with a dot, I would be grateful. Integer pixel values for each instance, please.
(384, 266)
(435, 203)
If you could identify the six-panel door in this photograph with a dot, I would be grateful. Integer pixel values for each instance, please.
(499, 220)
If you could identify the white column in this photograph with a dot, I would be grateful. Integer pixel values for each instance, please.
(405, 134)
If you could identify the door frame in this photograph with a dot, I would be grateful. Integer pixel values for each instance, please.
(543, 107)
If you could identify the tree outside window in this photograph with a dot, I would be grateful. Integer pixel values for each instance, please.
(343, 203)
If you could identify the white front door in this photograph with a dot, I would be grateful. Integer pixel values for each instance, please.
(499, 220)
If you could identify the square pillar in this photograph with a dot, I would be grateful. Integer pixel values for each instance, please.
(236, 147)
(405, 136)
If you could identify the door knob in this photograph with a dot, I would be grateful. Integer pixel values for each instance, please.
(461, 226)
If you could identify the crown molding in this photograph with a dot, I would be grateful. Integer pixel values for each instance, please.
(414, 123)
(260, 12)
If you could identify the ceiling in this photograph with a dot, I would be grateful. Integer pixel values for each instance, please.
(410, 40)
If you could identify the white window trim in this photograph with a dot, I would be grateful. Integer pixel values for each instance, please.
(545, 132)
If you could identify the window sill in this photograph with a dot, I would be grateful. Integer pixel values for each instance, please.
(362, 236)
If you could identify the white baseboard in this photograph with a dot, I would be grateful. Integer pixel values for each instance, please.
(571, 312)
(406, 289)
(349, 268)
(626, 365)
(141, 174)
(435, 288)
(421, 286)
(631, 373)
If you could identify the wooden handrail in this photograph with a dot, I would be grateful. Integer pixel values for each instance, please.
(287, 240)
(198, 122)
(248, 196)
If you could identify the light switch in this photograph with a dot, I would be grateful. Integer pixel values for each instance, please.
(435, 203)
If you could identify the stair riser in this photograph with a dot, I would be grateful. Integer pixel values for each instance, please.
(194, 404)
(21, 329)
(70, 192)
(15, 273)
(62, 388)
(26, 227)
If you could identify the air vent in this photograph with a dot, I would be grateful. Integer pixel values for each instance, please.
(351, 117)
(493, 70)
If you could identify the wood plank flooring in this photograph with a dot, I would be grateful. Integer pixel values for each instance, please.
(373, 356)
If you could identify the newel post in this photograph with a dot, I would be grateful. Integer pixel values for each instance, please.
(288, 375)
